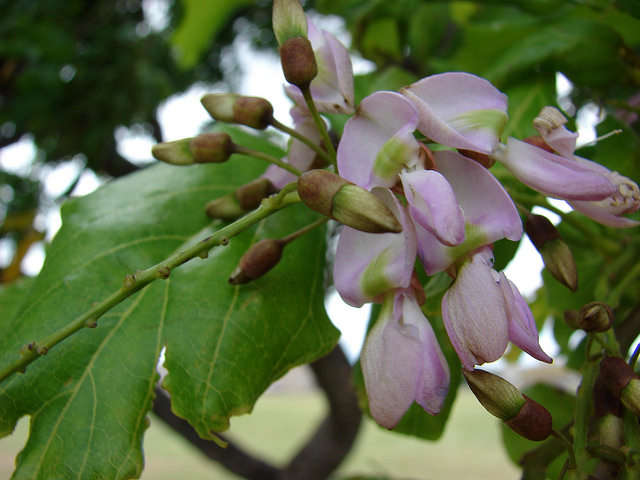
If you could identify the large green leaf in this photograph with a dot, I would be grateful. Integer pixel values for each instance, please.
(88, 398)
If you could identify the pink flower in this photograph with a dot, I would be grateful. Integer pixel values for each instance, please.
(459, 110)
(589, 187)
(489, 213)
(369, 265)
(332, 89)
(378, 141)
(483, 310)
(402, 362)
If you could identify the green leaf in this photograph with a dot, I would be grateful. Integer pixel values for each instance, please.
(200, 24)
(88, 397)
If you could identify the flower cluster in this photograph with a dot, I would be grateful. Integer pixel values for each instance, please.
(413, 188)
(451, 209)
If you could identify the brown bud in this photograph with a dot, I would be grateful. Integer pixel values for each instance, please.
(616, 374)
(556, 255)
(604, 401)
(251, 194)
(175, 153)
(571, 317)
(211, 147)
(254, 112)
(258, 260)
(533, 422)
(298, 61)
(224, 208)
(595, 317)
(502, 399)
(333, 196)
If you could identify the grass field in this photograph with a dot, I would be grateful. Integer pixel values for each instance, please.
(469, 450)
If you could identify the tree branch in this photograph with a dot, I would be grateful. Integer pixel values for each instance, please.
(317, 458)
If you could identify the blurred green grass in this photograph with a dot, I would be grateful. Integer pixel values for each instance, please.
(470, 448)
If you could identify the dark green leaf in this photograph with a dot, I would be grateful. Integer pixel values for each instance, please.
(89, 396)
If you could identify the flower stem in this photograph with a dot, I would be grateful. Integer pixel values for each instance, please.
(322, 128)
(136, 281)
(263, 156)
(583, 413)
(306, 229)
(298, 136)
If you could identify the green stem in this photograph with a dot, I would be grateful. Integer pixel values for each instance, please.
(309, 143)
(138, 280)
(583, 413)
(322, 128)
(567, 444)
(268, 158)
(298, 233)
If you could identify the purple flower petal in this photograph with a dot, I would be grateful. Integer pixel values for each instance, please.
(474, 314)
(554, 175)
(370, 264)
(433, 205)
(378, 141)
(522, 326)
(459, 110)
(402, 362)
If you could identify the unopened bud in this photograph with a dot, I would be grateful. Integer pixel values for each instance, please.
(335, 197)
(499, 397)
(258, 260)
(556, 255)
(605, 403)
(211, 147)
(595, 317)
(611, 430)
(175, 153)
(289, 20)
(571, 317)
(524, 416)
(251, 194)
(622, 381)
(224, 208)
(298, 61)
(253, 112)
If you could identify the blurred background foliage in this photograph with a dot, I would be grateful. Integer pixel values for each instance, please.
(72, 72)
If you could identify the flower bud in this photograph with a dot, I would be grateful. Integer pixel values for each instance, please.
(595, 317)
(298, 61)
(253, 112)
(335, 197)
(503, 400)
(175, 153)
(258, 260)
(224, 208)
(622, 381)
(289, 20)
(556, 254)
(251, 194)
(211, 147)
